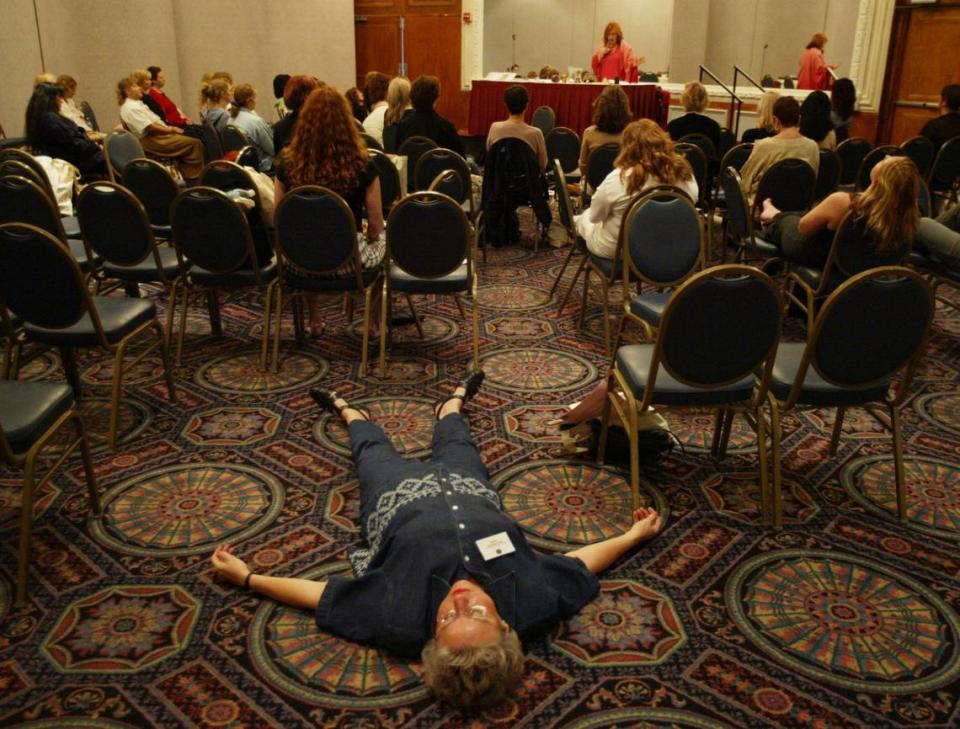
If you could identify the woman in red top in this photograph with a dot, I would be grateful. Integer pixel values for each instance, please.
(615, 59)
(814, 72)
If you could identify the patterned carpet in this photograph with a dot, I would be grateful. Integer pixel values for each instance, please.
(842, 619)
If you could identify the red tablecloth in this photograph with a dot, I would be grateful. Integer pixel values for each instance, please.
(571, 102)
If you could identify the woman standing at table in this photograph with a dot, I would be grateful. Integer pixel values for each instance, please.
(615, 59)
(814, 71)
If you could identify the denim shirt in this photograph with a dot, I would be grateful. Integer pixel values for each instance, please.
(423, 537)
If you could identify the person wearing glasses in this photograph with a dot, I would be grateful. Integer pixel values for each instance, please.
(446, 575)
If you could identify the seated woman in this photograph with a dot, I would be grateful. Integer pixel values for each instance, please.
(155, 135)
(815, 121)
(71, 111)
(398, 107)
(764, 126)
(296, 91)
(50, 133)
(327, 150)
(611, 114)
(424, 121)
(647, 158)
(888, 208)
(843, 98)
(214, 98)
(694, 100)
(788, 143)
(242, 117)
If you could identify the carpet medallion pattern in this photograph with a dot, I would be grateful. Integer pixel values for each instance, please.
(844, 618)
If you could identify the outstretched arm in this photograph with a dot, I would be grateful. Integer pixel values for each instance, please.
(292, 591)
(597, 557)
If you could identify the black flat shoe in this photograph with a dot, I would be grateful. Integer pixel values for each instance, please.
(470, 383)
(325, 399)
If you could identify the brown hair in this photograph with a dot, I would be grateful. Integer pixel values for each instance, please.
(611, 110)
(647, 151)
(122, 86)
(787, 111)
(297, 89)
(424, 92)
(242, 93)
(474, 677)
(614, 28)
(326, 148)
(888, 206)
(68, 83)
(213, 91)
(375, 87)
(819, 40)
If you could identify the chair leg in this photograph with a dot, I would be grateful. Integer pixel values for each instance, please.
(573, 283)
(171, 310)
(213, 309)
(476, 328)
(717, 433)
(26, 521)
(898, 463)
(777, 495)
(605, 291)
(725, 434)
(92, 495)
(183, 322)
(115, 393)
(416, 316)
(459, 306)
(837, 429)
(267, 321)
(563, 268)
(69, 359)
(583, 299)
(384, 324)
(278, 317)
(365, 346)
(165, 358)
(633, 428)
(298, 326)
(762, 457)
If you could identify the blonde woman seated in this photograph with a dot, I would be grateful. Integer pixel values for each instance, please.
(888, 208)
(647, 159)
(214, 98)
(765, 126)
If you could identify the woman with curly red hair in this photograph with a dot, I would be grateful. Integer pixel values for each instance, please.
(327, 150)
(615, 58)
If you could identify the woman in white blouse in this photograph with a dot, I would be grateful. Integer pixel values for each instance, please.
(647, 159)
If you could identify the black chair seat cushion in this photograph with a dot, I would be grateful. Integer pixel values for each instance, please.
(633, 361)
(649, 307)
(815, 391)
(333, 283)
(765, 248)
(605, 265)
(812, 277)
(162, 231)
(71, 226)
(118, 315)
(146, 270)
(449, 284)
(233, 279)
(28, 409)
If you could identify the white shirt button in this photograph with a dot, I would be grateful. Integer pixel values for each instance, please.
(463, 526)
(455, 507)
(466, 558)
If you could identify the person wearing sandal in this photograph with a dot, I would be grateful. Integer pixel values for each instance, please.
(446, 575)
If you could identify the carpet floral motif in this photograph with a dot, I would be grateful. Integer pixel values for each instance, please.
(627, 624)
(848, 621)
(528, 370)
(231, 426)
(242, 373)
(122, 629)
(407, 421)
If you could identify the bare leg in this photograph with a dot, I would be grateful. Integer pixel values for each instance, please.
(769, 211)
(589, 407)
(315, 315)
(453, 404)
(292, 591)
(347, 413)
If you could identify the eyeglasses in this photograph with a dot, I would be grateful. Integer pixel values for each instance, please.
(474, 612)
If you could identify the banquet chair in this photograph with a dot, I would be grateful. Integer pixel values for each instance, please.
(448, 183)
(31, 415)
(719, 328)
(316, 234)
(88, 114)
(545, 119)
(945, 173)
(868, 335)
(512, 178)
(389, 180)
(121, 148)
(212, 146)
(371, 142)
(599, 165)
(433, 162)
(700, 164)
(201, 216)
(738, 222)
(115, 227)
(23, 201)
(57, 310)
(412, 148)
(661, 245)
(563, 144)
(828, 174)
(578, 247)
(233, 139)
(921, 151)
(155, 188)
(851, 152)
(17, 159)
(851, 252)
(790, 183)
(429, 251)
(875, 156)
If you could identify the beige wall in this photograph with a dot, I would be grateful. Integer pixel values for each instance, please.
(98, 41)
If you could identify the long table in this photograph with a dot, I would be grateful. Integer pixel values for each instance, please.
(573, 103)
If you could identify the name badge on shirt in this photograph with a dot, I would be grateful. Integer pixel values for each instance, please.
(495, 546)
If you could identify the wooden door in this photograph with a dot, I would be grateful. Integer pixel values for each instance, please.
(431, 43)
(921, 61)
